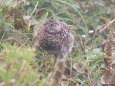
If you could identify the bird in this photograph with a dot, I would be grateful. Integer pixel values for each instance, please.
(55, 37)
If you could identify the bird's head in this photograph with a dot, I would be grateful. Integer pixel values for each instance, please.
(52, 26)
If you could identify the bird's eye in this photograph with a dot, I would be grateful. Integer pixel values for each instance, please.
(51, 25)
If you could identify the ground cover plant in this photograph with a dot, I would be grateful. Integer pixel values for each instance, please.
(91, 62)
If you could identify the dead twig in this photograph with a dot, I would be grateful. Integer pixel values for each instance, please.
(106, 27)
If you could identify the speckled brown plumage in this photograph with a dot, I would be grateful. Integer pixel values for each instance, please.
(56, 38)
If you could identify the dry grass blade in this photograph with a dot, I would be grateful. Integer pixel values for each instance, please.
(58, 73)
(2, 2)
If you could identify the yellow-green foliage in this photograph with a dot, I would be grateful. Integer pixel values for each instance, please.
(16, 66)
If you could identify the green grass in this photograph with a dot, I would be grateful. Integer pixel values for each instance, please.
(18, 63)
(15, 64)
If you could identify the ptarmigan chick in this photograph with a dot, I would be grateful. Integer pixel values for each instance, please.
(56, 38)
